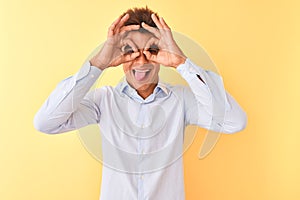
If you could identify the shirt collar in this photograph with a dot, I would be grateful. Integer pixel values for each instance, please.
(124, 87)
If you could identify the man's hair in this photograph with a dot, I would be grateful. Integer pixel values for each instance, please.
(139, 15)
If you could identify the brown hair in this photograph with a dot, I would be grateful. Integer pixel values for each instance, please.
(139, 15)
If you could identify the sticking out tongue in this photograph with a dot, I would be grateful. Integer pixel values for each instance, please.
(139, 75)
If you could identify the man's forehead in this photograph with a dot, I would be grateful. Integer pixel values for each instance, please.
(138, 38)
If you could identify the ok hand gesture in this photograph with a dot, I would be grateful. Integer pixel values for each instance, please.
(112, 53)
(167, 51)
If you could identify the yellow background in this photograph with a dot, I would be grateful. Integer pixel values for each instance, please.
(255, 45)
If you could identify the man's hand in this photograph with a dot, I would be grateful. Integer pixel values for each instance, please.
(162, 48)
(113, 53)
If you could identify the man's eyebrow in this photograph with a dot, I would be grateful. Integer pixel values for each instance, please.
(129, 39)
(125, 43)
(126, 34)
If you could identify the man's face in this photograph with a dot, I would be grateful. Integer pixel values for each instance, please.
(140, 73)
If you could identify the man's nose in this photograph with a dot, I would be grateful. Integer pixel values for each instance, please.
(141, 59)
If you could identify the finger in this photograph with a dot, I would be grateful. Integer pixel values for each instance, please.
(149, 56)
(164, 24)
(129, 28)
(151, 29)
(123, 59)
(127, 58)
(113, 26)
(130, 57)
(156, 21)
(129, 42)
(167, 29)
(150, 42)
(121, 22)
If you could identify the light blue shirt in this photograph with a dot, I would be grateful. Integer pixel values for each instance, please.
(142, 139)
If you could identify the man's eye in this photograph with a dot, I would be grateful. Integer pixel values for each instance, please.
(127, 49)
(153, 49)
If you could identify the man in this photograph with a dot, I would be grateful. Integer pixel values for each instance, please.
(142, 120)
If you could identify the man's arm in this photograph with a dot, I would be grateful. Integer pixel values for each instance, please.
(69, 107)
(208, 104)
(213, 108)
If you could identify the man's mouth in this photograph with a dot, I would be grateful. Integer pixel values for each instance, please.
(140, 74)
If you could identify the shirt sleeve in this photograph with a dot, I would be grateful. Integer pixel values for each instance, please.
(207, 103)
(70, 106)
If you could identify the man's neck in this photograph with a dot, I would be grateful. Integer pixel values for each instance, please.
(147, 91)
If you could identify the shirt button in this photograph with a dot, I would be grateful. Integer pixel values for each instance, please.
(142, 177)
(92, 75)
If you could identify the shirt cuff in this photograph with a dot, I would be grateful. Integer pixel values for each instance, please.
(189, 71)
(88, 69)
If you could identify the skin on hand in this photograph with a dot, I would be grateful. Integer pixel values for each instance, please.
(141, 53)
(111, 54)
(169, 53)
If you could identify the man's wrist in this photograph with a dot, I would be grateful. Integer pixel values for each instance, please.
(97, 64)
(180, 61)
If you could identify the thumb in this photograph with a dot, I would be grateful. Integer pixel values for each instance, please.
(149, 56)
(129, 57)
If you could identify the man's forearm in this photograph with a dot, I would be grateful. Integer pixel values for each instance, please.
(209, 92)
(65, 98)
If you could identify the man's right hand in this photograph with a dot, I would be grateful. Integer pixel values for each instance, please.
(113, 52)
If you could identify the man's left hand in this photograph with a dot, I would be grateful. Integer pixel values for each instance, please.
(162, 48)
